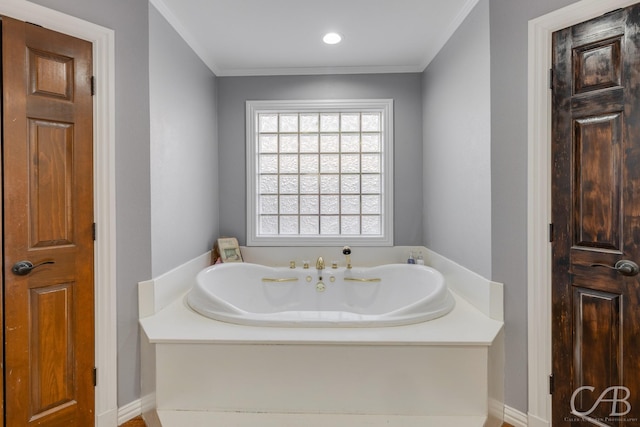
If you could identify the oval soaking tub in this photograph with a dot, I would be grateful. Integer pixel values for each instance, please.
(386, 295)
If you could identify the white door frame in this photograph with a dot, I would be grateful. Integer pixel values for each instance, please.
(103, 39)
(539, 195)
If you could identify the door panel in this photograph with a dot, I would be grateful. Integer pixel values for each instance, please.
(50, 183)
(51, 331)
(602, 368)
(48, 217)
(597, 187)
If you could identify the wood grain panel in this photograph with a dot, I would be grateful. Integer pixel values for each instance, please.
(50, 74)
(50, 183)
(598, 325)
(598, 65)
(52, 358)
(598, 195)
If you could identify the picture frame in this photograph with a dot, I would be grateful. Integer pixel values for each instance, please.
(227, 250)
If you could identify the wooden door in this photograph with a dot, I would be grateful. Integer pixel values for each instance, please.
(596, 222)
(48, 217)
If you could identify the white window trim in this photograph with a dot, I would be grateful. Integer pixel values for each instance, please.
(255, 107)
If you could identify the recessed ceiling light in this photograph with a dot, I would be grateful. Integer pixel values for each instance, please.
(332, 38)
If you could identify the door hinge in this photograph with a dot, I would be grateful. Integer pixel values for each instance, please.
(93, 231)
(551, 232)
(552, 385)
(551, 78)
(95, 377)
(93, 85)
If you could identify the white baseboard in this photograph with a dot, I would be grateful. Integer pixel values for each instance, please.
(535, 421)
(496, 411)
(107, 418)
(129, 411)
(182, 418)
(515, 417)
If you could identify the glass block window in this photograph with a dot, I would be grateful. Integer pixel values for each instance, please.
(319, 172)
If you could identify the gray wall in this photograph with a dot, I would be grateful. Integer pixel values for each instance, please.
(184, 149)
(403, 88)
(457, 146)
(509, 29)
(129, 19)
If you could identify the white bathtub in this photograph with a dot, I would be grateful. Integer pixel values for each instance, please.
(386, 295)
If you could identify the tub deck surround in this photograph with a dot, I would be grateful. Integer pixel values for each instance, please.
(463, 326)
(211, 373)
(203, 372)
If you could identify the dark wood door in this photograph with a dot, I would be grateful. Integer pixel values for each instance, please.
(596, 220)
(48, 217)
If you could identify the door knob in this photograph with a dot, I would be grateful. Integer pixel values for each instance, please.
(22, 268)
(624, 267)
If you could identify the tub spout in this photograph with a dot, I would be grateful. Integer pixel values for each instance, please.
(320, 263)
(347, 253)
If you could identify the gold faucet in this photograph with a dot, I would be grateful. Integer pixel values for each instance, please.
(347, 253)
(320, 263)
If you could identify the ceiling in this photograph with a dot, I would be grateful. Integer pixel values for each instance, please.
(282, 37)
